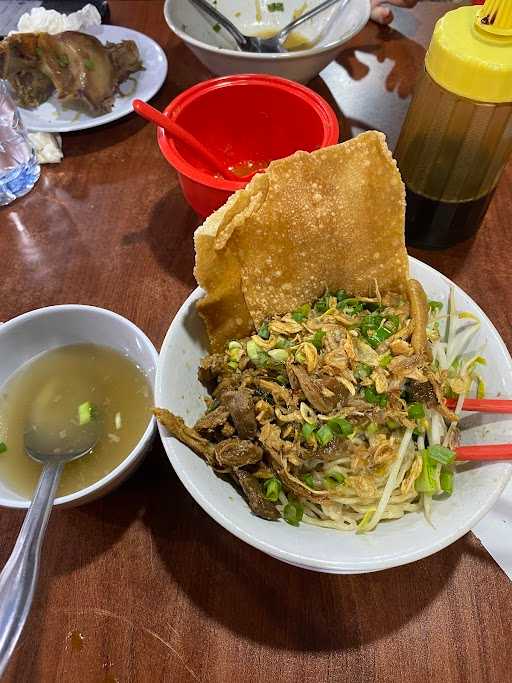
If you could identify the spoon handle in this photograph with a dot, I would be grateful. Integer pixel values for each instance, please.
(239, 37)
(19, 576)
(306, 16)
(154, 116)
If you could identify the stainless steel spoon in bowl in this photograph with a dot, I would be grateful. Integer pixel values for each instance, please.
(19, 576)
(254, 44)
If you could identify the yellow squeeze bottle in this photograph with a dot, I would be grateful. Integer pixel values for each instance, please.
(457, 136)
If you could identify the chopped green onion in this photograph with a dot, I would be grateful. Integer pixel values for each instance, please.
(385, 360)
(322, 304)
(371, 322)
(435, 306)
(446, 481)
(307, 430)
(85, 413)
(416, 411)
(233, 364)
(324, 435)
(377, 329)
(318, 339)
(441, 454)
(258, 357)
(427, 482)
(372, 428)
(350, 306)
(362, 371)
(376, 337)
(283, 343)
(216, 28)
(301, 313)
(308, 480)
(63, 60)
(354, 301)
(392, 323)
(339, 425)
(392, 424)
(275, 7)
(282, 380)
(335, 477)
(272, 488)
(3, 447)
(234, 345)
(363, 523)
(341, 295)
(278, 355)
(89, 64)
(293, 512)
(264, 332)
(235, 355)
(373, 397)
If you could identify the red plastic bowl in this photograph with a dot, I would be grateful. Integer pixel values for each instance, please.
(248, 117)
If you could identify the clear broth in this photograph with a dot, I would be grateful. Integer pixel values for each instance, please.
(53, 386)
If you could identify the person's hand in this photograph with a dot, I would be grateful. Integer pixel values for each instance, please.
(382, 14)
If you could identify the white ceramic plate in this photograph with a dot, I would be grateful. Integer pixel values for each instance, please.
(52, 118)
(392, 543)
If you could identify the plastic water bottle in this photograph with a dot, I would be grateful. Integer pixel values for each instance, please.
(19, 170)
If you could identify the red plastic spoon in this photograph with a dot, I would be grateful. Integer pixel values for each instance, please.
(154, 116)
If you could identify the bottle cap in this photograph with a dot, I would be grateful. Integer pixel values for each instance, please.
(471, 52)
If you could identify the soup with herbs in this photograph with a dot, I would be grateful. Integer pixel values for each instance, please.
(65, 390)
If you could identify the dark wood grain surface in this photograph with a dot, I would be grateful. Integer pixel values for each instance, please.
(157, 589)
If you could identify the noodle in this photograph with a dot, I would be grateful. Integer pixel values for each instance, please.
(332, 406)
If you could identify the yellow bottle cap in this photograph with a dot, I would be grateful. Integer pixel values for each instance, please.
(471, 52)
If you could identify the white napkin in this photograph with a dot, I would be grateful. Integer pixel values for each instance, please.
(51, 21)
(495, 531)
(48, 146)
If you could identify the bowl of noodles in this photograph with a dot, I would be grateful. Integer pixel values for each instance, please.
(302, 394)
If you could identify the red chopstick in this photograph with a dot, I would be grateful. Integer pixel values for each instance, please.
(483, 405)
(497, 451)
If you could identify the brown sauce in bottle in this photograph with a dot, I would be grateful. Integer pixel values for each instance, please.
(434, 224)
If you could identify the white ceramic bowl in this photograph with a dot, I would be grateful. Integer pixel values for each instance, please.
(392, 543)
(25, 337)
(219, 53)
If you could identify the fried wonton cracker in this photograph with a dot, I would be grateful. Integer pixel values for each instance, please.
(330, 219)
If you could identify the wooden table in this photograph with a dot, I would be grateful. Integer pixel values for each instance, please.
(159, 591)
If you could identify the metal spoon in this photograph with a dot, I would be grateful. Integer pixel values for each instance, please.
(19, 576)
(254, 44)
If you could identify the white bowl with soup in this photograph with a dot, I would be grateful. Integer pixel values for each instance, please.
(311, 46)
(69, 365)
